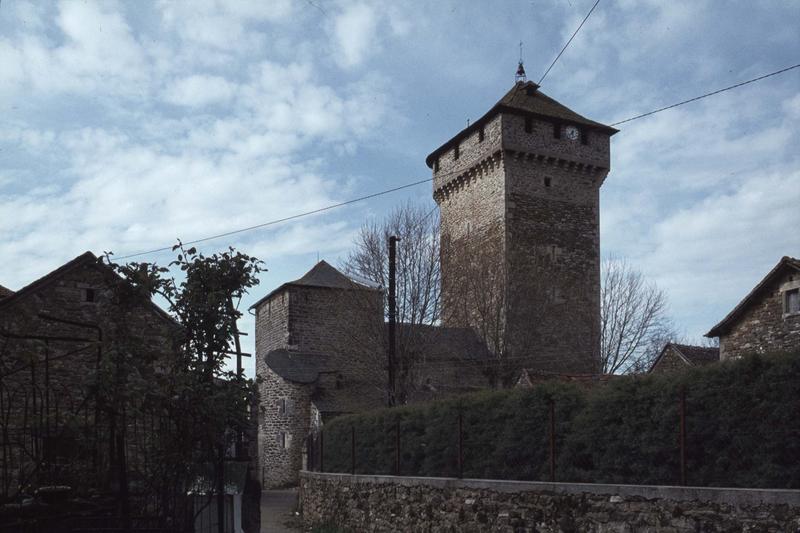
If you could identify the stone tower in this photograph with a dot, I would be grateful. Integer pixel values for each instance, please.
(318, 354)
(519, 191)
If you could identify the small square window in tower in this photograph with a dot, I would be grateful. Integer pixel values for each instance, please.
(791, 301)
(87, 295)
(547, 182)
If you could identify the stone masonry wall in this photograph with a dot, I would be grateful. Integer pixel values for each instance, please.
(373, 503)
(344, 328)
(284, 422)
(764, 327)
(470, 192)
(553, 244)
(46, 385)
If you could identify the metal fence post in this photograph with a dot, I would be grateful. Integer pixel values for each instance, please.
(397, 448)
(552, 440)
(353, 450)
(460, 445)
(322, 451)
(683, 433)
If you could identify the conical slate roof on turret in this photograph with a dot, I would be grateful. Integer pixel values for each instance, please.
(524, 98)
(325, 276)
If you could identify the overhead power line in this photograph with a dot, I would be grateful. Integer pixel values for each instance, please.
(285, 219)
(570, 40)
(427, 180)
(706, 95)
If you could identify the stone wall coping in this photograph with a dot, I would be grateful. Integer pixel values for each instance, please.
(731, 496)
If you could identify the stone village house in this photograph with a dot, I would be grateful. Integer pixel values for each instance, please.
(518, 192)
(54, 333)
(767, 320)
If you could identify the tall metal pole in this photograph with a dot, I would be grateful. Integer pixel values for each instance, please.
(392, 352)
(683, 434)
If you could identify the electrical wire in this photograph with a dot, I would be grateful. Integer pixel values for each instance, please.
(706, 95)
(427, 180)
(285, 219)
(570, 40)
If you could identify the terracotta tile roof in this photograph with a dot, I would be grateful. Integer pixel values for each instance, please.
(786, 263)
(524, 98)
(323, 275)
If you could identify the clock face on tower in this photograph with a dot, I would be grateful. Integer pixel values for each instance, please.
(572, 133)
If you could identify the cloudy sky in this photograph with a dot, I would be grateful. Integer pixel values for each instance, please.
(124, 126)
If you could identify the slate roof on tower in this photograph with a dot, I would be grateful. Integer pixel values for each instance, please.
(325, 276)
(524, 98)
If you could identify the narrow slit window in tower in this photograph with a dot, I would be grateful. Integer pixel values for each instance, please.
(481, 135)
(547, 182)
(528, 125)
(456, 152)
(557, 130)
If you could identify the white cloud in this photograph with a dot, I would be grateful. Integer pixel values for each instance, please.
(354, 30)
(199, 90)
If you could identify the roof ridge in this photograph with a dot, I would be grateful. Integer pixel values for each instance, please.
(739, 308)
(48, 278)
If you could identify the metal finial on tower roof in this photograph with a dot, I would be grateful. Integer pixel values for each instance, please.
(520, 75)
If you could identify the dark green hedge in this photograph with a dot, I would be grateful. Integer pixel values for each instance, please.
(742, 425)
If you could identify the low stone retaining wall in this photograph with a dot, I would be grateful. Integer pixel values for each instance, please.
(388, 503)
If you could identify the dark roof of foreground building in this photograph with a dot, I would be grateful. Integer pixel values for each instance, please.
(524, 98)
(443, 343)
(693, 355)
(299, 367)
(4, 292)
(785, 264)
(323, 275)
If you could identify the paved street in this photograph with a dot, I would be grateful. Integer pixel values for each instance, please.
(277, 508)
